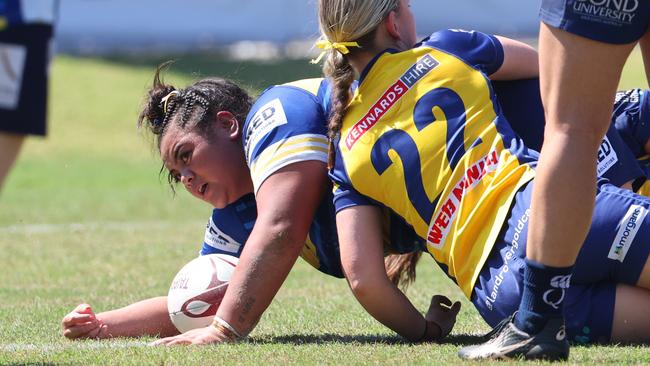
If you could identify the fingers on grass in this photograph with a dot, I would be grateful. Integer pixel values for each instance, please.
(77, 319)
(81, 331)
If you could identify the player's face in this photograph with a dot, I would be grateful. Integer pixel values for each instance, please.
(406, 22)
(212, 168)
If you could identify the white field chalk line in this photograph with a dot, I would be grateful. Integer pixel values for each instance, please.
(17, 347)
(88, 226)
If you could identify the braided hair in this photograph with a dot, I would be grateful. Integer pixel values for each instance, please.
(192, 107)
(345, 21)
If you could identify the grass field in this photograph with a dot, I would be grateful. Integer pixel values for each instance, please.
(84, 217)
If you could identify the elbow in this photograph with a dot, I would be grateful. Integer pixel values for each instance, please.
(365, 286)
(284, 235)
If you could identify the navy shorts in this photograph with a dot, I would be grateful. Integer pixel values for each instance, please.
(609, 21)
(615, 251)
(24, 59)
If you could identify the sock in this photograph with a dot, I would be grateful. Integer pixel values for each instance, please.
(543, 296)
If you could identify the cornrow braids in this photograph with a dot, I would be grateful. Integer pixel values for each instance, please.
(192, 107)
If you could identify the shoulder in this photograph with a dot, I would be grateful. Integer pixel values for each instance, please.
(295, 106)
(481, 50)
(287, 124)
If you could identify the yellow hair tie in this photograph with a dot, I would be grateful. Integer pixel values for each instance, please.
(3, 23)
(326, 45)
(166, 99)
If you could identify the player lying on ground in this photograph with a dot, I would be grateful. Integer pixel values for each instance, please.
(205, 146)
(425, 137)
(235, 221)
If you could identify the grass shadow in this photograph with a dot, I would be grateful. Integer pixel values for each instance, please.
(458, 340)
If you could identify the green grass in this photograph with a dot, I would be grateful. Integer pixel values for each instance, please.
(84, 217)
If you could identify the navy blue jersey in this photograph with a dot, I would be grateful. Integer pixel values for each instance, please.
(521, 103)
(632, 119)
(287, 125)
(229, 227)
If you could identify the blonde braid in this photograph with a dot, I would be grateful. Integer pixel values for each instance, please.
(346, 22)
(341, 74)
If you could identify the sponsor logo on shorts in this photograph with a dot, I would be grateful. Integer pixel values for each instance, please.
(416, 72)
(628, 228)
(607, 157)
(216, 238)
(614, 12)
(507, 258)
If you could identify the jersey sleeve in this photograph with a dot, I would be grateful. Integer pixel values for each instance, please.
(344, 195)
(286, 125)
(632, 119)
(480, 50)
(228, 228)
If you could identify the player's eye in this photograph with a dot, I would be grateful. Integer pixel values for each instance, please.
(186, 156)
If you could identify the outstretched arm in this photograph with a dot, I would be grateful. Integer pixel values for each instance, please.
(359, 230)
(286, 203)
(144, 318)
(520, 61)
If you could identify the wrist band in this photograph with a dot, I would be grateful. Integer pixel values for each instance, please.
(230, 331)
(424, 335)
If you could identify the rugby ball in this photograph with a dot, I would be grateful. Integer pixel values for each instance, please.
(197, 290)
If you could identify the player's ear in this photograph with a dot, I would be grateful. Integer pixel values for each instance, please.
(391, 24)
(229, 124)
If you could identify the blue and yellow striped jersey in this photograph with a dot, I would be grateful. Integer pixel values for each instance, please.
(425, 136)
(229, 227)
(286, 125)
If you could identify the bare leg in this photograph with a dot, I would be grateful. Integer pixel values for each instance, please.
(578, 79)
(9, 148)
(631, 321)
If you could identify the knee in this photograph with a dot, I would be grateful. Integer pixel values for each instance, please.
(589, 134)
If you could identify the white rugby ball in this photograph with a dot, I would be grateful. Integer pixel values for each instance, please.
(197, 290)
